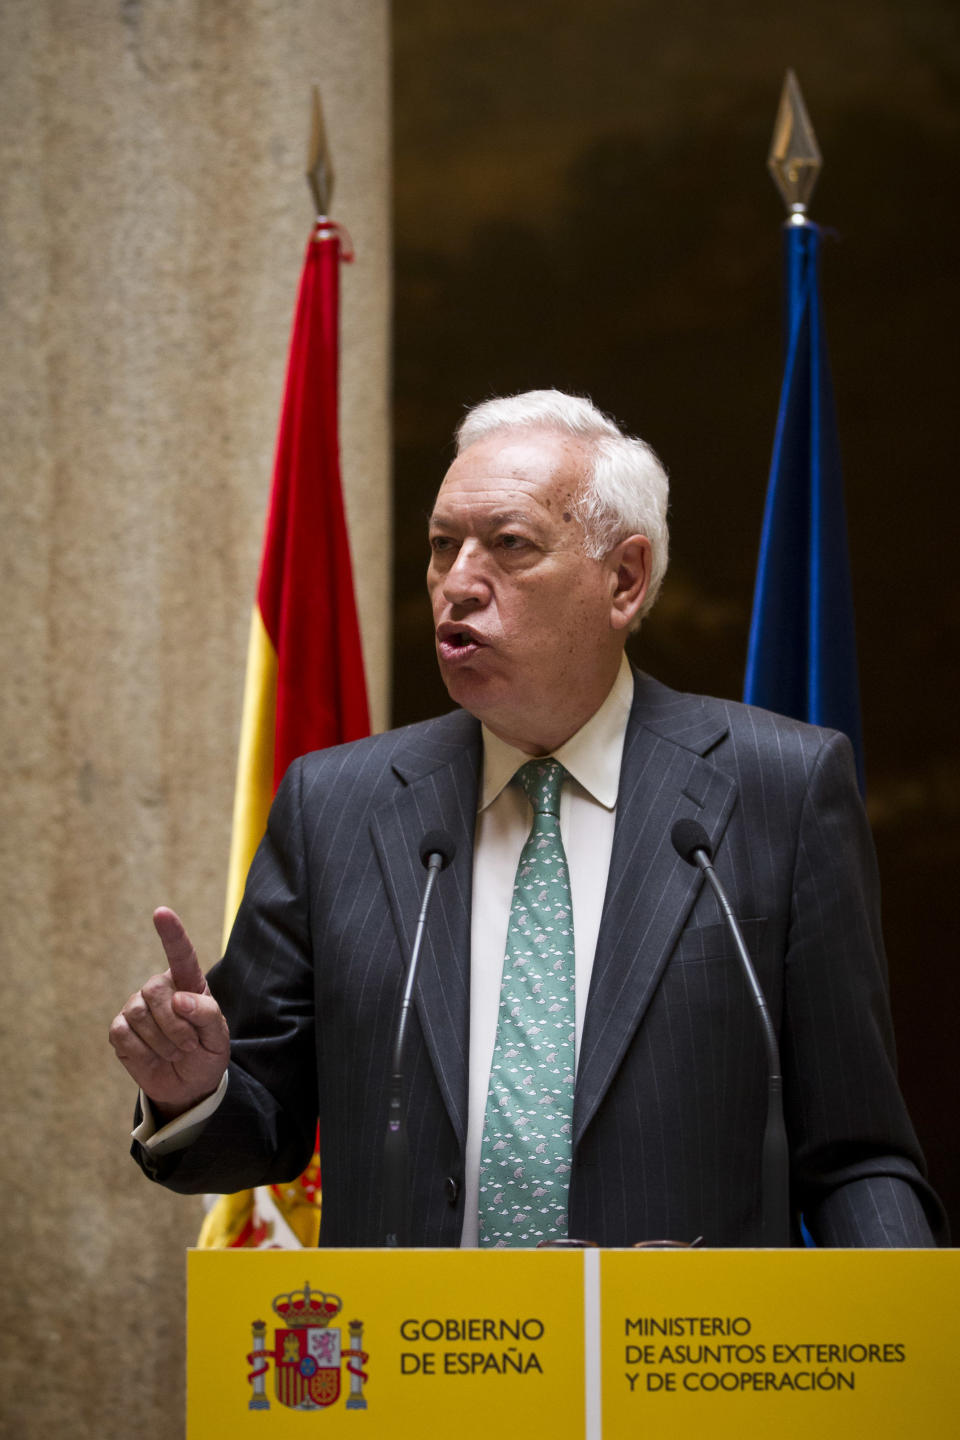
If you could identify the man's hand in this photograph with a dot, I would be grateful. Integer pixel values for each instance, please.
(171, 1035)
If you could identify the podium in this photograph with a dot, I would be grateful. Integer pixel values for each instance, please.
(597, 1343)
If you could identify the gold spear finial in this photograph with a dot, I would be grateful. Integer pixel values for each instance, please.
(319, 165)
(794, 160)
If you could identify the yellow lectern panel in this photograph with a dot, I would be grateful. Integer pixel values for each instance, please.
(373, 1343)
(809, 1344)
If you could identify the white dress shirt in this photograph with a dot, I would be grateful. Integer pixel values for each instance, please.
(588, 805)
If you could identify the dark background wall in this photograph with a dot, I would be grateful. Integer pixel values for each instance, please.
(582, 201)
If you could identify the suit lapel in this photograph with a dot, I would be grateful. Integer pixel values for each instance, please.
(650, 890)
(440, 775)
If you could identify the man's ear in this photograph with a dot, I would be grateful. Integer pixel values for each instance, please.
(630, 567)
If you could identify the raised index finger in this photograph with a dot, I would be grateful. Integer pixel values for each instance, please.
(185, 969)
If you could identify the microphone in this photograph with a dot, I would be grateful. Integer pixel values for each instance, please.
(692, 844)
(437, 849)
(688, 836)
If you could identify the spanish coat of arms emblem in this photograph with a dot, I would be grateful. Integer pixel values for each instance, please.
(308, 1354)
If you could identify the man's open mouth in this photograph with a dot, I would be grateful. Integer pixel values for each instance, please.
(455, 643)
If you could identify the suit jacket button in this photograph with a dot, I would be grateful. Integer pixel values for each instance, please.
(452, 1188)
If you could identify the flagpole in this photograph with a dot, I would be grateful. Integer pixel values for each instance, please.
(801, 658)
(305, 685)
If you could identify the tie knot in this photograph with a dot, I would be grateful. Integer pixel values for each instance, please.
(542, 781)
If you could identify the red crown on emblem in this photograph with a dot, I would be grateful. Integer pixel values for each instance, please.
(307, 1307)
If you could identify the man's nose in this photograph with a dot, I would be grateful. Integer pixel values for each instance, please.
(465, 582)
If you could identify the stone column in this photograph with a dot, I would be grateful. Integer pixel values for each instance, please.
(154, 217)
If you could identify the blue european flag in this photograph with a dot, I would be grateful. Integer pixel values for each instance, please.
(802, 657)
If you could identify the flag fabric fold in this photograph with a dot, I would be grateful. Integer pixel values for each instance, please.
(801, 658)
(305, 686)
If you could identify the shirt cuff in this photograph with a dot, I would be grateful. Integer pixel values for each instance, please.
(179, 1133)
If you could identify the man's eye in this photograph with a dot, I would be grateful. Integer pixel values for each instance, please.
(512, 542)
(439, 543)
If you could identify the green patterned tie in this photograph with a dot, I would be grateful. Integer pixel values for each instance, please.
(526, 1150)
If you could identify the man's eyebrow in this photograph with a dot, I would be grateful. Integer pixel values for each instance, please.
(490, 522)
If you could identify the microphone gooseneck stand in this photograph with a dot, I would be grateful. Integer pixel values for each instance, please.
(437, 849)
(692, 844)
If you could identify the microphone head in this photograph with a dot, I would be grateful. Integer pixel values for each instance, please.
(688, 836)
(437, 842)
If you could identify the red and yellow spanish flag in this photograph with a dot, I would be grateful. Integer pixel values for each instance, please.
(305, 686)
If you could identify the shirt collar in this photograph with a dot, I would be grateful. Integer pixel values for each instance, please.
(592, 756)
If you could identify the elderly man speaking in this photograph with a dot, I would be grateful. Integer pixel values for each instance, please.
(584, 1057)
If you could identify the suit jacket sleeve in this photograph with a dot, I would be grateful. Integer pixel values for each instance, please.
(857, 1167)
(263, 1131)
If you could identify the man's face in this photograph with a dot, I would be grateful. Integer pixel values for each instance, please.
(528, 636)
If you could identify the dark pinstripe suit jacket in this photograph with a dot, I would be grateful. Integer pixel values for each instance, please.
(671, 1089)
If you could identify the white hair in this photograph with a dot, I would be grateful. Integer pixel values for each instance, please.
(625, 492)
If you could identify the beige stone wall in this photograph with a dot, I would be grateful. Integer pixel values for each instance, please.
(154, 217)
